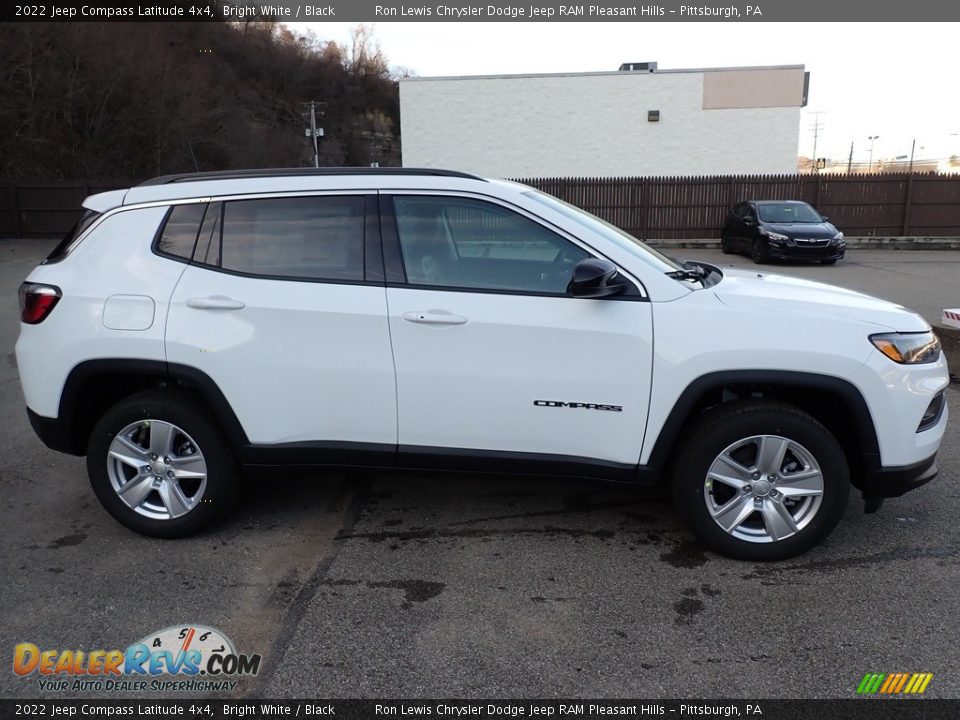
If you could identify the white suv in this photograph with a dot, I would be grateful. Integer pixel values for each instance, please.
(197, 324)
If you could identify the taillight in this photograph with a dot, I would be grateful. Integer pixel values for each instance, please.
(37, 301)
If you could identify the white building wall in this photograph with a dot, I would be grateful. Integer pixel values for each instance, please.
(589, 125)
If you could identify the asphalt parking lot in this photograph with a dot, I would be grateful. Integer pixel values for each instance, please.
(417, 586)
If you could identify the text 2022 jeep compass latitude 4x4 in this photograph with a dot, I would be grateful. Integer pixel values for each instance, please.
(197, 324)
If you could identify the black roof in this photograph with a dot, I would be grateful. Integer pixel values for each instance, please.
(301, 172)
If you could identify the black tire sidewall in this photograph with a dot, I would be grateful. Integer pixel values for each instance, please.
(180, 409)
(719, 429)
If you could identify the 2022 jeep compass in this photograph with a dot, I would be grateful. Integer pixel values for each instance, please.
(402, 318)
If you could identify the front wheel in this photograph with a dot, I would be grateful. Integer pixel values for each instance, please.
(760, 480)
(160, 465)
(725, 247)
(760, 252)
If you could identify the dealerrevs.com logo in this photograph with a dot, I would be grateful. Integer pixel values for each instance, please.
(182, 657)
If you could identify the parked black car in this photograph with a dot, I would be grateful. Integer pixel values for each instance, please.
(781, 229)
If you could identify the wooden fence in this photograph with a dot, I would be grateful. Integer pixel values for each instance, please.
(670, 208)
(30, 210)
(666, 208)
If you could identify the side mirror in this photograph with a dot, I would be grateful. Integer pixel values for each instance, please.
(595, 278)
(826, 218)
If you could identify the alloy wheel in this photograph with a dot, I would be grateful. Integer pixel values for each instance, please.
(764, 488)
(157, 469)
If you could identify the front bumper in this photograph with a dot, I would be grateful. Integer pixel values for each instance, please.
(799, 252)
(890, 482)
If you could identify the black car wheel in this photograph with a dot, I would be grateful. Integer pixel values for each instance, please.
(725, 247)
(760, 252)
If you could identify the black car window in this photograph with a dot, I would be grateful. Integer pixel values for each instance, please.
(792, 212)
(208, 241)
(85, 221)
(319, 238)
(179, 234)
(464, 243)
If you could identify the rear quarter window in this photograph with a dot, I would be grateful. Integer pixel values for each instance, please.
(65, 245)
(178, 235)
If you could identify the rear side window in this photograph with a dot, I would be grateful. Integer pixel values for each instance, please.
(63, 247)
(317, 238)
(179, 233)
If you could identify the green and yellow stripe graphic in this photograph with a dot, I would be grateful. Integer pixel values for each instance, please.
(894, 683)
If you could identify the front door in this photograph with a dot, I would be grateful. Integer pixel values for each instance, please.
(490, 352)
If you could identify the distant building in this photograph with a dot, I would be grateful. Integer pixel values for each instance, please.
(639, 120)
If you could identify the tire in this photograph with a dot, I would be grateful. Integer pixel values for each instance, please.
(166, 500)
(725, 246)
(829, 262)
(760, 252)
(734, 431)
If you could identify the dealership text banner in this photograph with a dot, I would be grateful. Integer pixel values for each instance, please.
(541, 11)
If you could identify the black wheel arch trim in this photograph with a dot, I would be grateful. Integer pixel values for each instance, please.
(64, 433)
(685, 405)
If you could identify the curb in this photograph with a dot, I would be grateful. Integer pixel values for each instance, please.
(853, 243)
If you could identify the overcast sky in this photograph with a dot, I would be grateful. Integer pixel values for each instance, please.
(896, 80)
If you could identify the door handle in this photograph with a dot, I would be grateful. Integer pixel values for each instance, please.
(215, 302)
(434, 317)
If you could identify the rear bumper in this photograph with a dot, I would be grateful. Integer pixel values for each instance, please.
(54, 433)
(889, 482)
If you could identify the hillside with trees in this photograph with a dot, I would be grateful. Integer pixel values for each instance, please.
(124, 101)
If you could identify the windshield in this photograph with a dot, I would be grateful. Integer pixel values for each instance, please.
(788, 212)
(611, 232)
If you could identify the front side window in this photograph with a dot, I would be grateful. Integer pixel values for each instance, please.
(472, 244)
(317, 238)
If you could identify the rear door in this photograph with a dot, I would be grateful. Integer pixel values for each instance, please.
(492, 357)
(284, 308)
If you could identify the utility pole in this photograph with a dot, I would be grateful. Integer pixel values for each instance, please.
(313, 131)
(871, 138)
(816, 127)
(850, 158)
(912, 148)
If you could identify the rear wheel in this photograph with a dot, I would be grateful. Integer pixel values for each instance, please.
(760, 480)
(160, 465)
(760, 252)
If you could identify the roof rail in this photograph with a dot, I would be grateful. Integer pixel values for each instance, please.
(300, 172)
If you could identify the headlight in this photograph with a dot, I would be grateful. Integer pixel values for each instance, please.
(777, 236)
(838, 236)
(908, 348)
